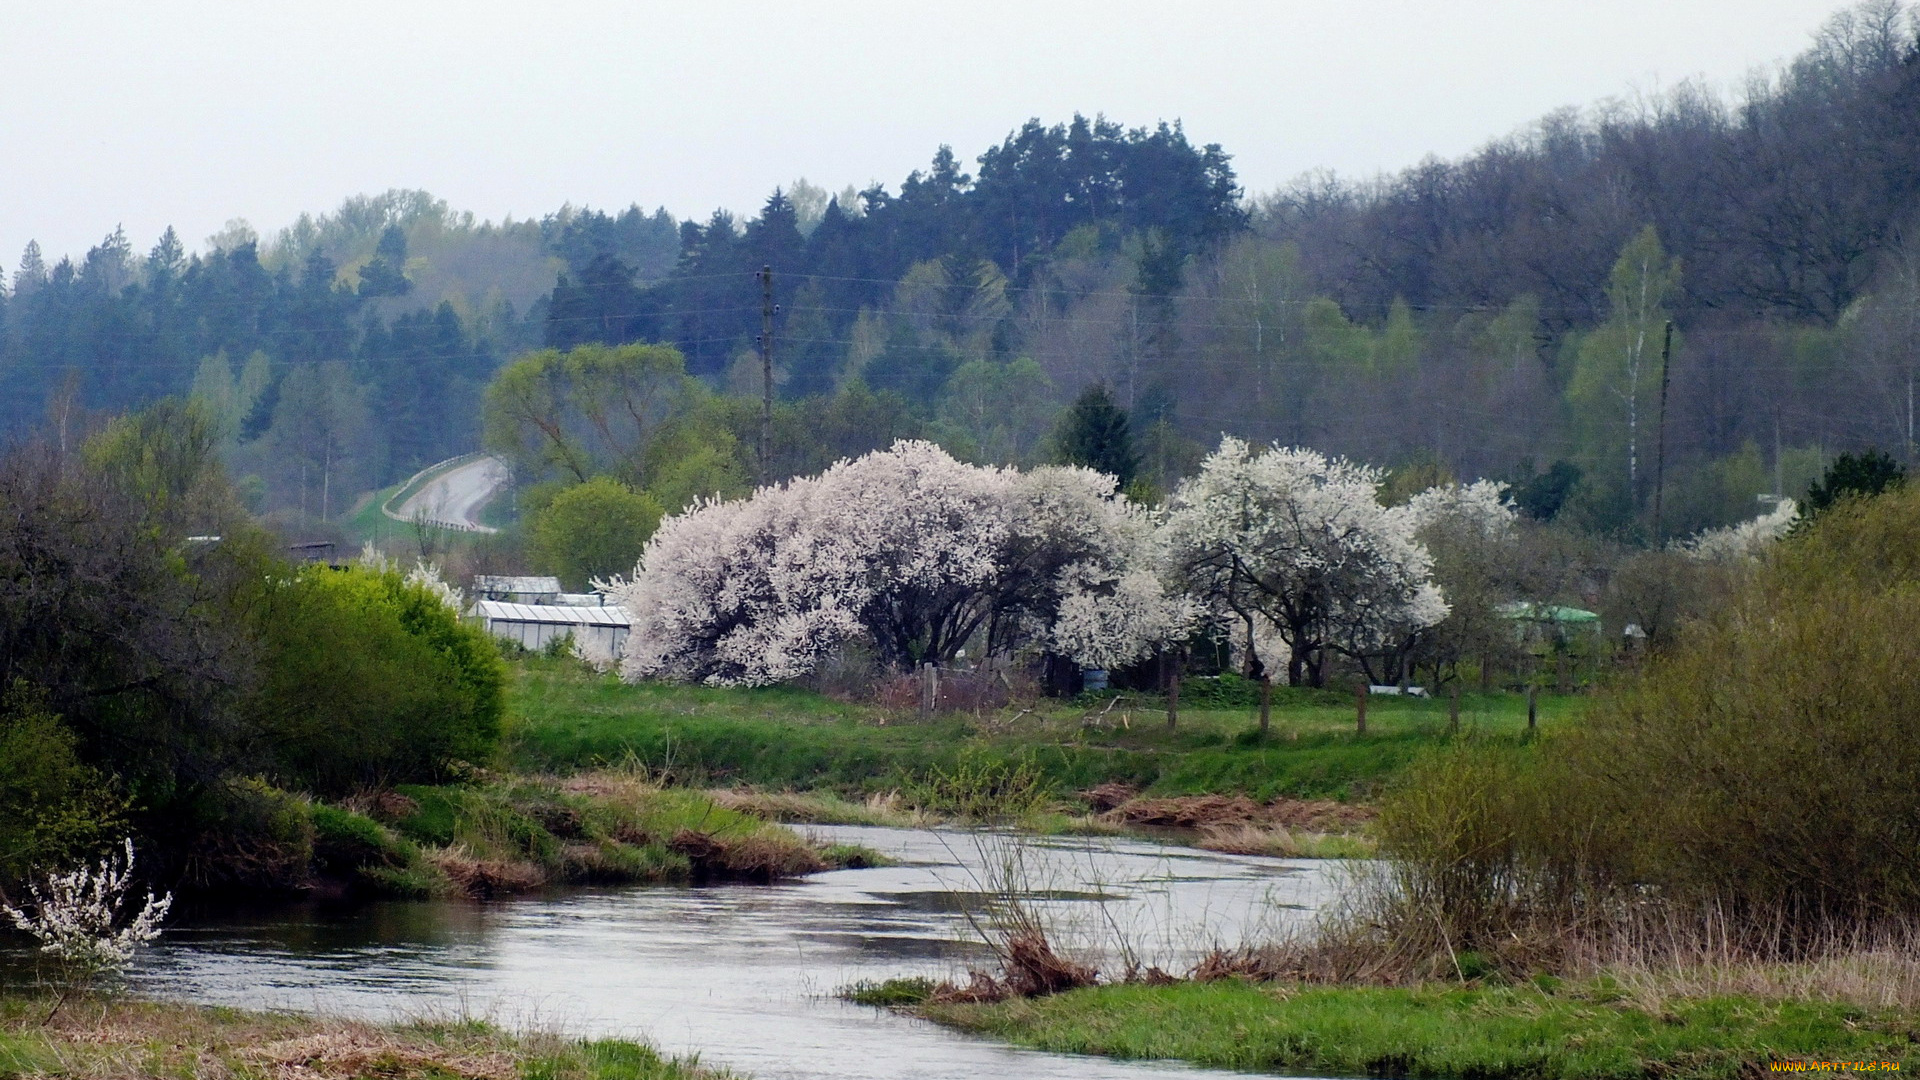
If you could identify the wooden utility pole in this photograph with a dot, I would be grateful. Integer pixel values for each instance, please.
(1660, 453)
(766, 373)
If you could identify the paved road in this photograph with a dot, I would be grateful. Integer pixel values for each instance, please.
(455, 497)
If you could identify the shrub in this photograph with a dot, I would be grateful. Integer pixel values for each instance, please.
(1759, 769)
(372, 679)
(54, 809)
(246, 833)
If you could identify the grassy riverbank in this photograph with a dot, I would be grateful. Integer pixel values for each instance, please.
(96, 1039)
(784, 738)
(1492, 1033)
(513, 834)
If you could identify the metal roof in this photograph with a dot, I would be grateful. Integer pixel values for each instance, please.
(502, 611)
(499, 583)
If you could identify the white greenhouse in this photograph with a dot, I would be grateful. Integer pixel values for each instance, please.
(598, 633)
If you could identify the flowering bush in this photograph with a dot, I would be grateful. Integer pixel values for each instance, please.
(908, 549)
(84, 922)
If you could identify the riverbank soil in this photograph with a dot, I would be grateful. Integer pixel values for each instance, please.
(114, 1039)
(1494, 1033)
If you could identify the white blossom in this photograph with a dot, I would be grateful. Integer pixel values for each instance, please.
(424, 574)
(1299, 540)
(74, 917)
(907, 548)
(1481, 507)
(1745, 540)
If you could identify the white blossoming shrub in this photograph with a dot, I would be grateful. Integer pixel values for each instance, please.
(907, 548)
(1746, 540)
(1297, 540)
(1481, 509)
(84, 922)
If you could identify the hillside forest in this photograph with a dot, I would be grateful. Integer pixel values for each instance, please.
(1504, 315)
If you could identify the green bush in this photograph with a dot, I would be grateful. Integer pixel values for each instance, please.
(370, 679)
(54, 809)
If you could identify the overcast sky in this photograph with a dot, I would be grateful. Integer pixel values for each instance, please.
(150, 112)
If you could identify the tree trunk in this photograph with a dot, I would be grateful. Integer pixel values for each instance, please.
(1173, 690)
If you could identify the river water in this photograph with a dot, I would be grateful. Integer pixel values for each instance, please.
(745, 976)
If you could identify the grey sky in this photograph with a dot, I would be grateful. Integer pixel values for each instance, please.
(153, 112)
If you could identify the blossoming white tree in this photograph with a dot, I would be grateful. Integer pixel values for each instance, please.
(1746, 540)
(1296, 541)
(85, 924)
(908, 549)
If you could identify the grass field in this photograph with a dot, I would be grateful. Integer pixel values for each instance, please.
(115, 1039)
(1491, 1033)
(565, 718)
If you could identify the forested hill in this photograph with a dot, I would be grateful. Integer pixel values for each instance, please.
(1495, 315)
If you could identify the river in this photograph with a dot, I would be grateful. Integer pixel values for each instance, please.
(745, 976)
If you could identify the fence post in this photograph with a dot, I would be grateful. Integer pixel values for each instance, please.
(929, 688)
(1453, 710)
(1360, 706)
(1266, 701)
(1533, 711)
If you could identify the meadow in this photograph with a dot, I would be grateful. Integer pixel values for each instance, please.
(563, 717)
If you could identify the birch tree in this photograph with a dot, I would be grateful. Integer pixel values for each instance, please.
(1616, 378)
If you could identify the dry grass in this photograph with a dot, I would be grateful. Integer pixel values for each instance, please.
(485, 878)
(1220, 811)
(819, 808)
(1280, 842)
(119, 1039)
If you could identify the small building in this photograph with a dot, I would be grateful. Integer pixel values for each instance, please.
(599, 633)
(516, 589)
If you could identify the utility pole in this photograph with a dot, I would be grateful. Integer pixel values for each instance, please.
(1660, 454)
(766, 373)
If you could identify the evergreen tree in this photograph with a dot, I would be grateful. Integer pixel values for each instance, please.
(1861, 475)
(386, 274)
(1094, 433)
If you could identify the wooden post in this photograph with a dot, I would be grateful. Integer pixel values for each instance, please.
(1453, 710)
(1266, 701)
(1360, 706)
(929, 688)
(1533, 710)
(1173, 691)
(1486, 672)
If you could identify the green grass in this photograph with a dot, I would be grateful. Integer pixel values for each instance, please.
(367, 522)
(787, 738)
(1483, 1032)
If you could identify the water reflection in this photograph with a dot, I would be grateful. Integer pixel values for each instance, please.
(744, 975)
